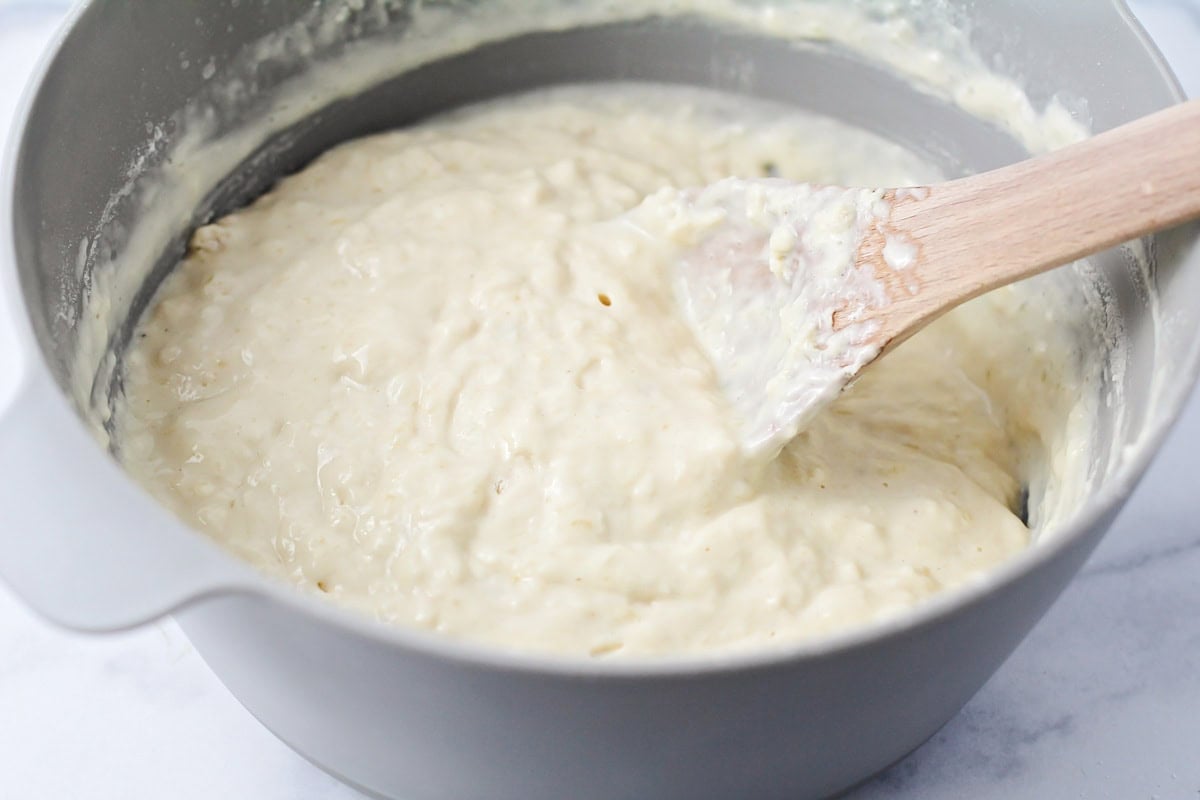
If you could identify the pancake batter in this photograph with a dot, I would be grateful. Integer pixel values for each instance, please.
(435, 377)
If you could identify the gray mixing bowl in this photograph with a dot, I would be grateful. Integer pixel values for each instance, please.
(405, 714)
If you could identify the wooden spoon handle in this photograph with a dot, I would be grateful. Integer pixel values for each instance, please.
(974, 234)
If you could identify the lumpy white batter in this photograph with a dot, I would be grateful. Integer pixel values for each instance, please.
(438, 377)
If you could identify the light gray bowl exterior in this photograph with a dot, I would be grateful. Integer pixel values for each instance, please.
(409, 716)
(408, 723)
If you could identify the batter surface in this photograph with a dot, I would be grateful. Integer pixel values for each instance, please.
(434, 376)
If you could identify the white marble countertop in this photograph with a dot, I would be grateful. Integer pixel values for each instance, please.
(1101, 701)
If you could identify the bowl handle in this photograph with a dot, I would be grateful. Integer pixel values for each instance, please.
(79, 541)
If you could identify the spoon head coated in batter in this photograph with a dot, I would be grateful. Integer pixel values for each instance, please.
(768, 280)
(794, 288)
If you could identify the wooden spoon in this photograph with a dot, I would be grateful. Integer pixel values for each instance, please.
(795, 288)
